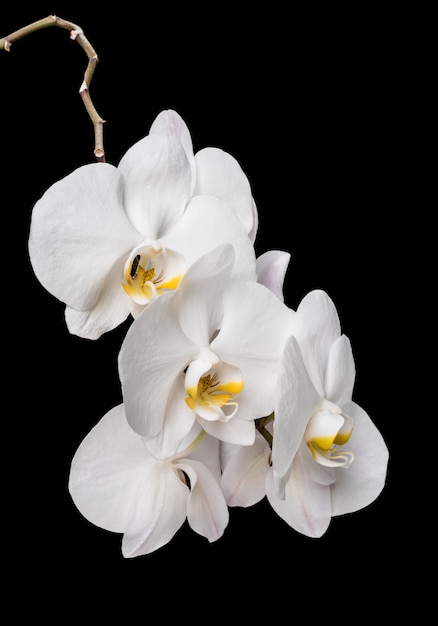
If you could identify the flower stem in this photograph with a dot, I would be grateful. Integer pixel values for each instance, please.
(77, 34)
(190, 447)
(261, 424)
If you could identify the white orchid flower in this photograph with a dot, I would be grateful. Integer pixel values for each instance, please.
(118, 485)
(210, 352)
(328, 458)
(109, 240)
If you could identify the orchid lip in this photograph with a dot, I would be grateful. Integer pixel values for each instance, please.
(212, 388)
(327, 431)
(150, 270)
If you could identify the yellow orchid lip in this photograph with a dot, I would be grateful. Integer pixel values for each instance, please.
(212, 389)
(151, 270)
(327, 431)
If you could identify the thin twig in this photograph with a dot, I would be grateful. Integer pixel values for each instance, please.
(77, 34)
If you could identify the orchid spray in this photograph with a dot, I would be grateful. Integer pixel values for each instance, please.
(229, 395)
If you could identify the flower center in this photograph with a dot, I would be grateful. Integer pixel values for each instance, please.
(150, 270)
(184, 478)
(326, 433)
(212, 389)
(207, 382)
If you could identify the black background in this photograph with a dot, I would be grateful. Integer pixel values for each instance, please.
(311, 105)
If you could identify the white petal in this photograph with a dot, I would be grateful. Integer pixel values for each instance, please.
(236, 430)
(317, 326)
(171, 123)
(255, 218)
(107, 470)
(319, 473)
(157, 178)
(209, 222)
(219, 174)
(152, 356)
(252, 336)
(244, 475)
(296, 400)
(158, 510)
(362, 482)
(207, 511)
(201, 294)
(111, 309)
(178, 422)
(341, 372)
(307, 504)
(271, 270)
(209, 453)
(79, 232)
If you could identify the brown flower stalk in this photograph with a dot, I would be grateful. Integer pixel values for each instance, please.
(77, 34)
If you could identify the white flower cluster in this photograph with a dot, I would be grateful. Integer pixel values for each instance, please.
(229, 395)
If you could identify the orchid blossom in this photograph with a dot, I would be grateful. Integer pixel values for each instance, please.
(327, 458)
(118, 485)
(210, 352)
(107, 240)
